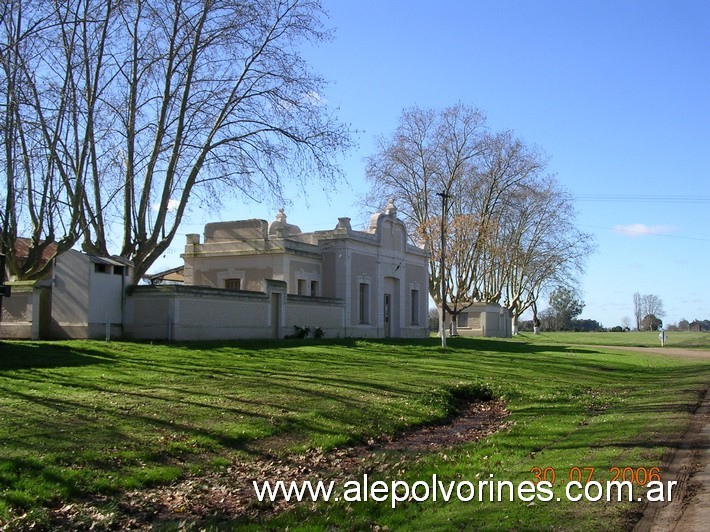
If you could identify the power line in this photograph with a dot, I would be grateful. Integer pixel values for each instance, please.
(644, 233)
(640, 198)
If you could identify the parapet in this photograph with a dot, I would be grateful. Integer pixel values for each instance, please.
(238, 230)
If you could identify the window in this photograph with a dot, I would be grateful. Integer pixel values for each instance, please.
(302, 283)
(314, 288)
(233, 284)
(100, 268)
(118, 270)
(415, 307)
(462, 320)
(364, 310)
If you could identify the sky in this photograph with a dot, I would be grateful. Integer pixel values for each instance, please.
(615, 92)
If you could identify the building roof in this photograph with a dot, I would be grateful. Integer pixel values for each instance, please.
(173, 275)
(22, 249)
(110, 261)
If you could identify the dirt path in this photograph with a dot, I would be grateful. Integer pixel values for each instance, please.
(694, 354)
(689, 510)
(229, 495)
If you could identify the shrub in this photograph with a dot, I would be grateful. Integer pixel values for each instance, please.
(299, 333)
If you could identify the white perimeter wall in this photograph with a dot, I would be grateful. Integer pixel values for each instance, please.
(302, 311)
(16, 320)
(196, 313)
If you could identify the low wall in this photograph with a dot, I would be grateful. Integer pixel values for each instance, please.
(199, 313)
(84, 331)
(183, 313)
(26, 313)
(413, 332)
(16, 321)
(194, 313)
(326, 313)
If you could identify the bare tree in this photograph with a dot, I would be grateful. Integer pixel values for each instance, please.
(548, 319)
(542, 247)
(653, 304)
(638, 310)
(171, 101)
(431, 152)
(527, 239)
(647, 305)
(505, 166)
(41, 119)
(509, 225)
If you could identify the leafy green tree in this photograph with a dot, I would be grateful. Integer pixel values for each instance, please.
(566, 306)
(586, 325)
(651, 323)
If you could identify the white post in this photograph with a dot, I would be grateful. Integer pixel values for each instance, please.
(662, 337)
(444, 196)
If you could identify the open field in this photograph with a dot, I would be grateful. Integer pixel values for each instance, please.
(90, 421)
(686, 340)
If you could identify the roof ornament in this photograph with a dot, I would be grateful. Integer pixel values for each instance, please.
(280, 227)
(391, 209)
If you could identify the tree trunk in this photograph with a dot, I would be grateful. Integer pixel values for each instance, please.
(442, 327)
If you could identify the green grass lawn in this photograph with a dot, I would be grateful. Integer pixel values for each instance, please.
(83, 419)
(686, 340)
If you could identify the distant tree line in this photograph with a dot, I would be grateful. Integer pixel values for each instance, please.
(561, 315)
(565, 305)
(581, 325)
(588, 325)
(695, 325)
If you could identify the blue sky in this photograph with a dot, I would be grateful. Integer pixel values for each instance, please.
(617, 93)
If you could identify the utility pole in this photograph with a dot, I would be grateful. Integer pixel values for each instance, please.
(4, 290)
(444, 196)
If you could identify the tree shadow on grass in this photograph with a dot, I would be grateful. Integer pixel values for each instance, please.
(55, 354)
(431, 343)
(33, 355)
(303, 380)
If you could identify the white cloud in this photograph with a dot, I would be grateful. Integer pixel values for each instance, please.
(316, 98)
(643, 229)
(173, 204)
